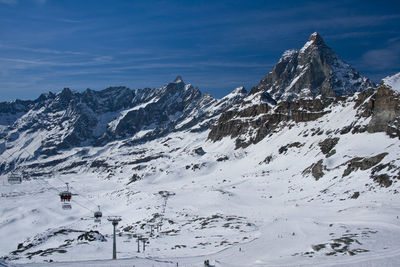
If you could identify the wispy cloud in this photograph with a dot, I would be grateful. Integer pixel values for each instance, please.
(41, 2)
(286, 28)
(40, 50)
(68, 20)
(353, 34)
(8, 2)
(385, 58)
(14, 2)
(21, 63)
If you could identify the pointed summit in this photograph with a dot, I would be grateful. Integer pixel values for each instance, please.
(314, 70)
(316, 39)
(178, 79)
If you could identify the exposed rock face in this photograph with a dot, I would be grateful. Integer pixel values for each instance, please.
(363, 163)
(199, 151)
(241, 122)
(316, 169)
(313, 70)
(164, 108)
(383, 106)
(328, 144)
(284, 149)
(385, 110)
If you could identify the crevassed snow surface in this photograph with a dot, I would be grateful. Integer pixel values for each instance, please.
(393, 81)
(245, 207)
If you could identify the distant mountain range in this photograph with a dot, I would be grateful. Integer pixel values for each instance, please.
(303, 86)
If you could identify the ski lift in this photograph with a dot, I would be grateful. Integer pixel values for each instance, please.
(65, 196)
(66, 206)
(14, 178)
(97, 216)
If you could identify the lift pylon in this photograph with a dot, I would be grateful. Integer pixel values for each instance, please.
(114, 220)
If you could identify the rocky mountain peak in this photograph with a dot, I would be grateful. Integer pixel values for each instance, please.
(178, 79)
(315, 42)
(314, 70)
(316, 39)
(239, 91)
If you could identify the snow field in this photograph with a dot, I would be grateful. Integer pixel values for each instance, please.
(240, 211)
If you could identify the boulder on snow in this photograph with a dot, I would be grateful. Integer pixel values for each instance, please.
(199, 151)
(316, 169)
(328, 144)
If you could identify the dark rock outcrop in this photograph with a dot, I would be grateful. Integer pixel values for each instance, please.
(258, 121)
(362, 163)
(199, 151)
(328, 144)
(385, 110)
(316, 170)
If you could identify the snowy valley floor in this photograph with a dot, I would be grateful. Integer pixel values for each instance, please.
(248, 207)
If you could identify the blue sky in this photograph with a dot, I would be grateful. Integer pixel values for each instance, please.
(46, 45)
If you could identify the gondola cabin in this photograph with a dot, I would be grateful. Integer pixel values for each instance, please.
(66, 206)
(97, 216)
(14, 178)
(65, 197)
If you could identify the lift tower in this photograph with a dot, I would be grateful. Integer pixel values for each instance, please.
(114, 220)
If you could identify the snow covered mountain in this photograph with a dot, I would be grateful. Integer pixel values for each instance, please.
(304, 85)
(313, 70)
(280, 176)
(54, 122)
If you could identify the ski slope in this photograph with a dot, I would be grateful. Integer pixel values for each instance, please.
(256, 206)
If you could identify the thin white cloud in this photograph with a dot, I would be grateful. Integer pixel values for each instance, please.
(279, 28)
(8, 2)
(353, 34)
(21, 63)
(382, 59)
(67, 20)
(40, 50)
(14, 2)
(41, 2)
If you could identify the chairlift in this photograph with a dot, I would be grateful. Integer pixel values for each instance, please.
(66, 206)
(97, 216)
(65, 196)
(14, 178)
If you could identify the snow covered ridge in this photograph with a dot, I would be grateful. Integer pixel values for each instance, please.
(68, 119)
(393, 82)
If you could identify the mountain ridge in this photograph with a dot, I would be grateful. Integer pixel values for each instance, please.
(72, 119)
